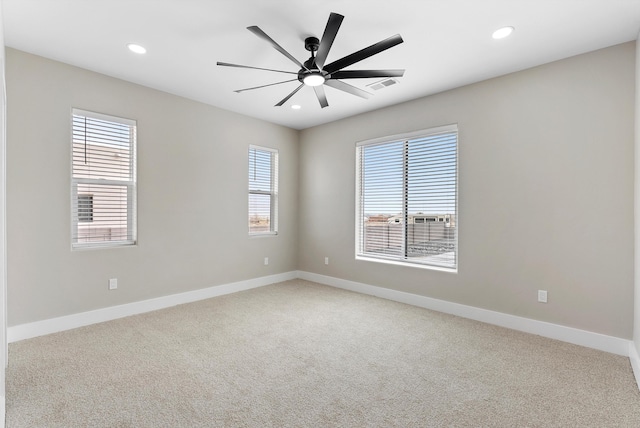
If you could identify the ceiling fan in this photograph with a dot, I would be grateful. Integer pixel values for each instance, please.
(315, 73)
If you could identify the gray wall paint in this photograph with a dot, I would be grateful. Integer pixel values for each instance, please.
(3, 249)
(636, 324)
(545, 201)
(546, 193)
(192, 194)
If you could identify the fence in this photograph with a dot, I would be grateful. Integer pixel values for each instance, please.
(423, 239)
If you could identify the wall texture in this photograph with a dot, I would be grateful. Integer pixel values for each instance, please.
(192, 194)
(3, 252)
(636, 324)
(545, 193)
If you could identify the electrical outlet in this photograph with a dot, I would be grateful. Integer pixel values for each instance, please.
(326, 260)
(113, 283)
(266, 261)
(542, 296)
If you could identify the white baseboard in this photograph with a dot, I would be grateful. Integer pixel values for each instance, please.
(635, 362)
(614, 345)
(589, 339)
(54, 325)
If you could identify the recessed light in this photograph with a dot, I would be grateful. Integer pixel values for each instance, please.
(136, 48)
(503, 32)
(296, 107)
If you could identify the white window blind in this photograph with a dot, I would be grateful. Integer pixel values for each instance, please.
(407, 198)
(263, 190)
(103, 180)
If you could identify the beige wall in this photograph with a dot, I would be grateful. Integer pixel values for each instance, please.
(192, 194)
(545, 193)
(3, 253)
(636, 324)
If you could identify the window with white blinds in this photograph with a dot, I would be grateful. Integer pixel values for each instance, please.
(263, 191)
(407, 199)
(103, 180)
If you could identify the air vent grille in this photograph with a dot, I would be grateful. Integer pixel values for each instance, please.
(383, 83)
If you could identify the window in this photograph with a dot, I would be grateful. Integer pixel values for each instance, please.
(263, 191)
(103, 180)
(397, 178)
(85, 208)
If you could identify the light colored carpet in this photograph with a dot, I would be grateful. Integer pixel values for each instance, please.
(299, 354)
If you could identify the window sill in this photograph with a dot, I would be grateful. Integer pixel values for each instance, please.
(103, 245)
(407, 264)
(263, 235)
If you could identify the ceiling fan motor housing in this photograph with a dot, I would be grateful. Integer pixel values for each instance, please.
(313, 75)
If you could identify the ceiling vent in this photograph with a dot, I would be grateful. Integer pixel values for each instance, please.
(383, 84)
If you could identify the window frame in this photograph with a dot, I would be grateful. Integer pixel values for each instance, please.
(131, 186)
(273, 191)
(402, 260)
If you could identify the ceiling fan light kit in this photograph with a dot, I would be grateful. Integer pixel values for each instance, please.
(313, 79)
(314, 73)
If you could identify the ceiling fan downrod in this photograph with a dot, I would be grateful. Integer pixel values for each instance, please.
(311, 76)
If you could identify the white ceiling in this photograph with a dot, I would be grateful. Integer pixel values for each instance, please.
(447, 44)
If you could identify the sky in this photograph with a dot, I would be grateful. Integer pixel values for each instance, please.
(431, 169)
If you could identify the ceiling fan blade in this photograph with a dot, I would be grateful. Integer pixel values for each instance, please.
(284, 100)
(363, 54)
(337, 84)
(364, 74)
(264, 86)
(321, 96)
(226, 64)
(330, 31)
(258, 32)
